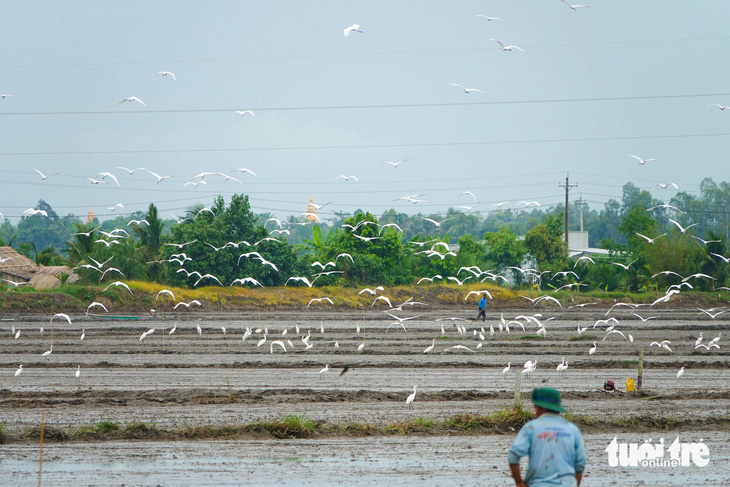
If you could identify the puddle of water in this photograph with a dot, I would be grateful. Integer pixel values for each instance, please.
(397, 461)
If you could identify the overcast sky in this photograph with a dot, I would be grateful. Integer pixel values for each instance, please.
(591, 87)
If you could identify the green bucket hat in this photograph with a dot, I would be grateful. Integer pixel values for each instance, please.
(548, 398)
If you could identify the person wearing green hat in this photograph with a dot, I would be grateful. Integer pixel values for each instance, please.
(554, 444)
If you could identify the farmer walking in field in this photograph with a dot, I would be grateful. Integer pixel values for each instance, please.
(482, 309)
(554, 444)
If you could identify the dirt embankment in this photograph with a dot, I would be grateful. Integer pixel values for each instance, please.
(226, 299)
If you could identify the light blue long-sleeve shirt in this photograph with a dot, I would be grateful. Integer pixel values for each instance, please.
(556, 450)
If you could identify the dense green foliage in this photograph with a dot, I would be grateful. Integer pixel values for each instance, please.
(230, 242)
(226, 243)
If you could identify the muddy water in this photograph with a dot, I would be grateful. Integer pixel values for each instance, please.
(411, 461)
(216, 378)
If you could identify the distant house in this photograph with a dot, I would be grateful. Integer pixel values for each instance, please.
(48, 277)
(578, 245)
(17, 268)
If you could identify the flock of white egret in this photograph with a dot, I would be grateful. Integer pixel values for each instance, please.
(289, 339)
(439, 250)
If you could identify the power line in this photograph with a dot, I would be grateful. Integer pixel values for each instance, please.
(368, 146)
(589, 184)
(651, 181)
(329, 214)
(256, 191)
(254, 187)
(299, 183)
(382, 106)
(360, 54)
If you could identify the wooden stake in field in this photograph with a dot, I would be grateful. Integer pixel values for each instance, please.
(40, 463)
(640, 373)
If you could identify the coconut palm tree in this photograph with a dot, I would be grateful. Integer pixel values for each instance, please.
(150, 240)
(49, 256)
(82, 243)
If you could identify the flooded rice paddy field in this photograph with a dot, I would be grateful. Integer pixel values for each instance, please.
(215, 379)
(397, 461)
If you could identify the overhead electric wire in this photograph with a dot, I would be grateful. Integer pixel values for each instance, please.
(358, 54)
(381, 106)
(255, 187)
(251, 191)
(368, 146)
(299, 183)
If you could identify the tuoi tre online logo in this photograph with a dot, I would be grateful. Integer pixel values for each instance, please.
(650, 454)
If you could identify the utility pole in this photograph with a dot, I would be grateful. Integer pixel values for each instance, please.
(580, 208)
(567, 187)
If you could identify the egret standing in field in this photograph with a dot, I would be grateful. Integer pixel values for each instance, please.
(324, 369)
(409, 399)
(562, 367)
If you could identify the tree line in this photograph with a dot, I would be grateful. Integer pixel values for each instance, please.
(644, 237)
